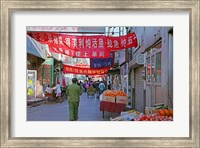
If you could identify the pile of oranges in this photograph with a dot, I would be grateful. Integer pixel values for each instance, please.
(114, 93)
(165, 112)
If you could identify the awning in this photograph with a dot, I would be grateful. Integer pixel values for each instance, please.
(114, 71)
(34, 50)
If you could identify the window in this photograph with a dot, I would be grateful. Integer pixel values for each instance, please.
(153, 67)
(158, 68)
(148, 70)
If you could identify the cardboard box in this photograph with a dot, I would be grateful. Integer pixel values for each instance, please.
(150, 110)
(108, 99)
(122, 99)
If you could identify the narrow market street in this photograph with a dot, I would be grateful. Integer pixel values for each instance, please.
(132, 67)
(88, 111)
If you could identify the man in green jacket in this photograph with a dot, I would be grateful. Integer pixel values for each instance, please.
(73, 93)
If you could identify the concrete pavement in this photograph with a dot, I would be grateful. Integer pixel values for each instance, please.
(89, 110)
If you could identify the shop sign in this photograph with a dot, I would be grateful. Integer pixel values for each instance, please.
(48, 61)
(47, 71)
(82, 61)
(102, 63)
(140, 59)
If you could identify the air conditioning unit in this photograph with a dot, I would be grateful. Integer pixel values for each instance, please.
(140, 59)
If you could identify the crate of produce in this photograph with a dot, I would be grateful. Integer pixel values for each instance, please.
(150, 110)
(108, 99)
(122, 99)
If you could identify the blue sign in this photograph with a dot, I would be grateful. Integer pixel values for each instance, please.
(101, 63)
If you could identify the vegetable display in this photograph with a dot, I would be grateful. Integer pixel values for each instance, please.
(153, 117)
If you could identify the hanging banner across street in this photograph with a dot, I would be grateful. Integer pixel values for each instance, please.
(102, 63)
(84, 71)
(79, 53)
(98, 42)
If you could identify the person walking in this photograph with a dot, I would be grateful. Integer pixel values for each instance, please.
(101, 87)
(86, 85)
(109, 85)
(58, 92)
(73, 93)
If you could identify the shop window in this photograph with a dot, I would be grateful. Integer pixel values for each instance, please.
(153, 67)
(148, 67)
(158, 68)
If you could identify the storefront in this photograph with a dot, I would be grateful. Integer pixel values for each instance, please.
(35, 57)
(152, 69)
(154, 88)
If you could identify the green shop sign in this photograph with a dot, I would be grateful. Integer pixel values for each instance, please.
(47, 71)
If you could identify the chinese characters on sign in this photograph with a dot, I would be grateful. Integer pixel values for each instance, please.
(85, 71)
(47, 71)
(80, 53)
(97, 47)
(100, 63)
(99, 42)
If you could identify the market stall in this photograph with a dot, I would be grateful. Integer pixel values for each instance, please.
(113, 101)
(127, 116)
(159, 112)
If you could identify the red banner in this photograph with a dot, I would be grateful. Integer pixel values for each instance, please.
(86, 42)
(84, 71)
(79, 53)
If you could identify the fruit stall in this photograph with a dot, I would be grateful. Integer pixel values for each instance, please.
(159, 112)
(113, 101)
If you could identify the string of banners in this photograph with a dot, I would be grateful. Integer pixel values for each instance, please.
(84, 71)
(74, 45)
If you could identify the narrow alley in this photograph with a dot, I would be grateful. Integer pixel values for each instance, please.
(89, 110)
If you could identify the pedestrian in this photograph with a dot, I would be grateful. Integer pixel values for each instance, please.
(73, 95)
(48, 90)
(101, 87)
(81, 85)
(39, 90)
(45, 85)
(109, 85)
(58, 92)
(86, 86)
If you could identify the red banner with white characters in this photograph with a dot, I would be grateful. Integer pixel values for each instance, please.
(79, 53)
(84, 71)
(98, 42)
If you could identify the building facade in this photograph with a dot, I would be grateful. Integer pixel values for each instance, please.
(151, 67)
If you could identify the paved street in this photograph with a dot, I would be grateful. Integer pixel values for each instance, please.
(88, 111)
